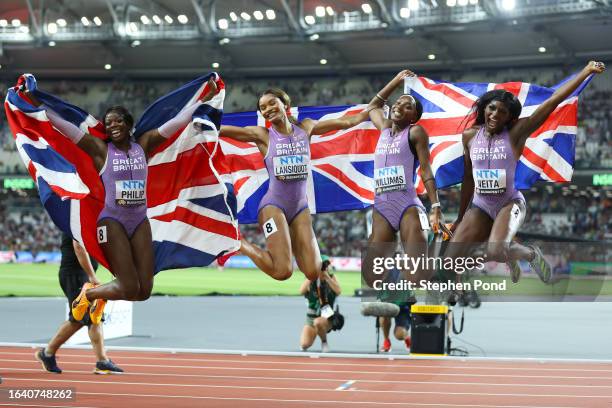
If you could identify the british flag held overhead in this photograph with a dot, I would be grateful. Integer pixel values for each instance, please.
(343, 161)
(192, 212)
(341, 164)
(548, 154)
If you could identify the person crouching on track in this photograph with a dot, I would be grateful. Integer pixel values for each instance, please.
(321, 295)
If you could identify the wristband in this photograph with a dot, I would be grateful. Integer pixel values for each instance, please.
(381, 98)
(436, 205)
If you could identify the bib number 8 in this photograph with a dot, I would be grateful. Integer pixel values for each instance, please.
(269, 227)
(101, 233)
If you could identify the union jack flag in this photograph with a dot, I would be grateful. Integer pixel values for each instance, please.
(343, 161)
(191, 210)
(342, 164)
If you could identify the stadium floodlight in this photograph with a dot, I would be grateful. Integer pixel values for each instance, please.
(215, 65)
(107, 66)
(508, 5)
(51, 43)
(245, 16)
(85, 21)
(233, 16)
(270, 14)
(314, 37)
(404, 12)
(462, 3)
(135, 43)
(258, 15)
(309, 19)
(542, 49)
(224, 41)
(168, 19)
(323, 61)
(473, 2)
(132, 27)
(413, 5)
(16, 22)
(431, 57)
(52, 28)
(61, 22)
(451, 3)
(320, 11)
(145, 20)
(156, 19)
(3, 23)
(366, 8)
(223, 24)
(182, 19)
(24, 29)
(97, 21)
(330, 11)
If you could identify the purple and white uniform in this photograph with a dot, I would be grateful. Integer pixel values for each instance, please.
(394, 168)
(493, 168)
(124, 176)
(288, 165)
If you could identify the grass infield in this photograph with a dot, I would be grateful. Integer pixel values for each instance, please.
(42, 280)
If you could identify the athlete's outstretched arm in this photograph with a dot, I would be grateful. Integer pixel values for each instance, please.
(421, 143)
(154, 137)
(93, 146)
(526, 126)
(379, 100)
(254, 134)
(320, 127)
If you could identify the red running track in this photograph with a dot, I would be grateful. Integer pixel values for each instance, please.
(156, 379)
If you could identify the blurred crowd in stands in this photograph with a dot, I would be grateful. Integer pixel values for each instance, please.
(27, 230)
(562, 212)
(554, 211)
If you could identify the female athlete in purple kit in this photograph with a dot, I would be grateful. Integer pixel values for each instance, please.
(492, 147)
(283, 213)
(123, 229)
(396, 204)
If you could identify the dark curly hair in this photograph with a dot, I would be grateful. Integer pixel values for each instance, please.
(124, 113)
(505, 97)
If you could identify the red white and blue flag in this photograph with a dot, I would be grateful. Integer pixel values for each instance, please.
(191, 210)
(343, 161)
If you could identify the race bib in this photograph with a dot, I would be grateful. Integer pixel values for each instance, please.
(130, 192)
(490, 181)
(389, 179)
(327, 311)
(291, 167)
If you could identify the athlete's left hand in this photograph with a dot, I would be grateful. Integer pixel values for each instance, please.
(212, 90)
(435, 218)
(595, 67)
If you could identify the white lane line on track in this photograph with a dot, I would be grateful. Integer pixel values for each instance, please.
(326, 356)
(420, 373)
(345, 386)
(329, 363)
(128, 374)
(234, 387)
(335, 402)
